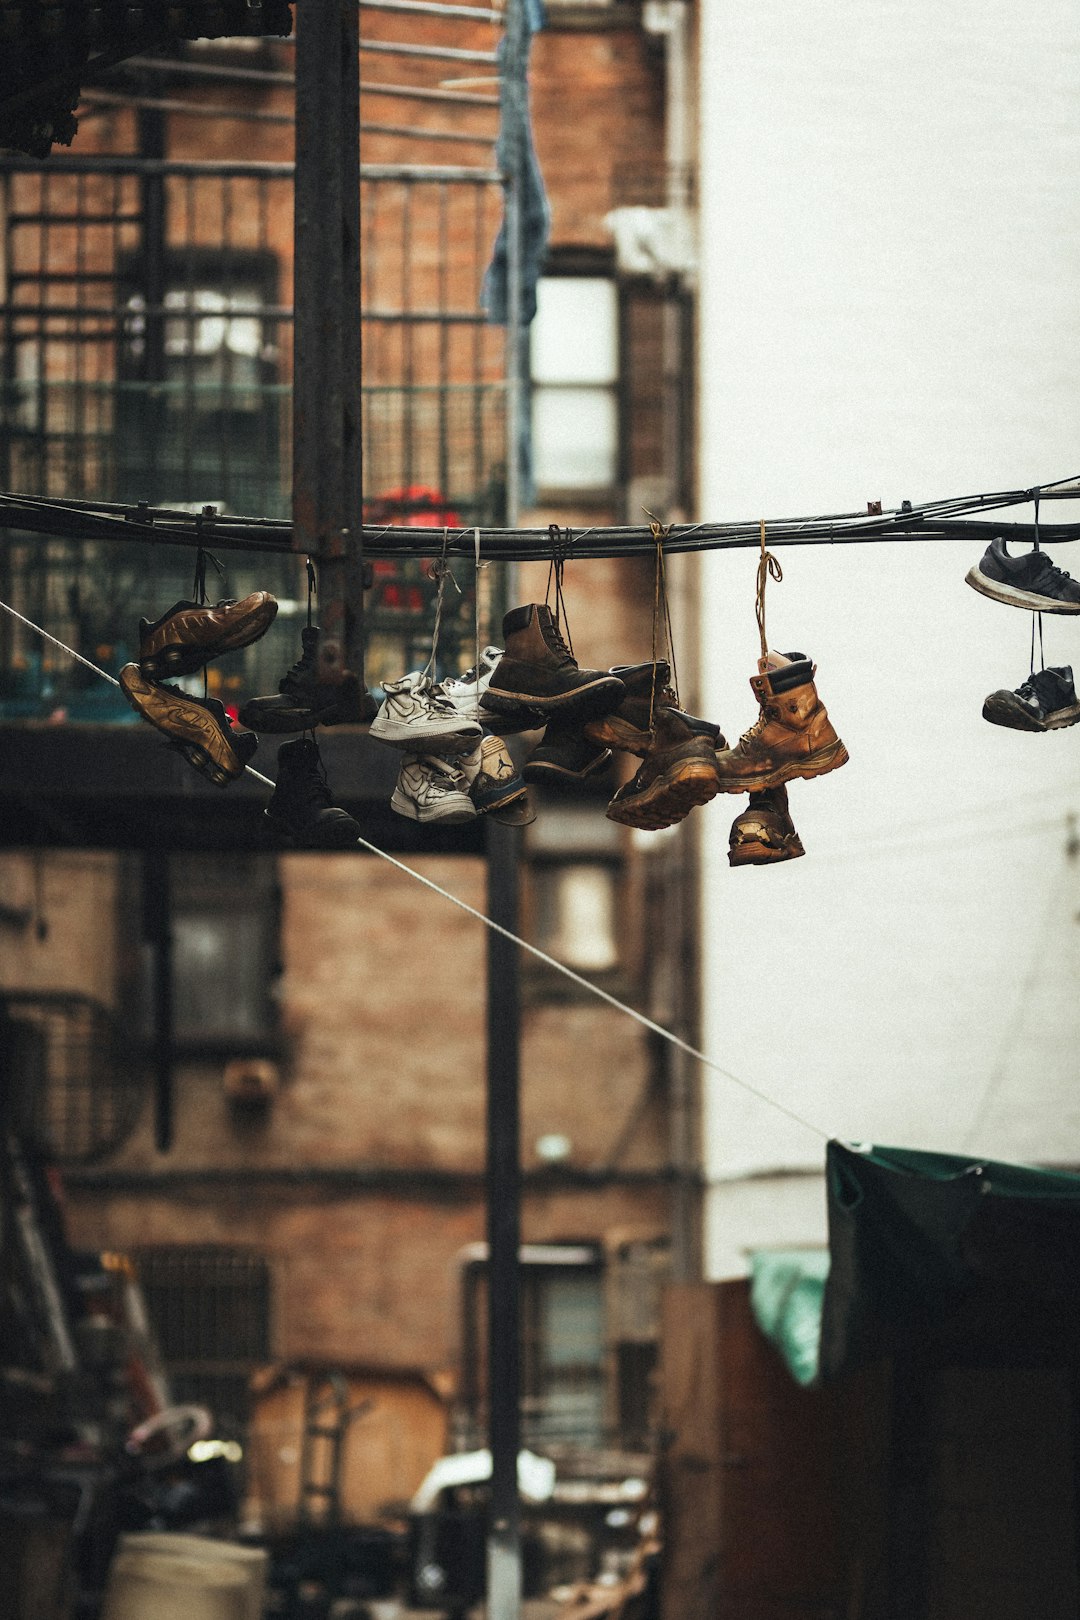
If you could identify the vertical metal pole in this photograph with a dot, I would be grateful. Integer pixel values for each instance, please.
(504, 1581)
(327, 481)
(157, 932)
(151, 137)
(504, 1228)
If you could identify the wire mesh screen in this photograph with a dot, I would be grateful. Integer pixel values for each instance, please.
(76, 1086)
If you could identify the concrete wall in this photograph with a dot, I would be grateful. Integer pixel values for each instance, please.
(890, 275)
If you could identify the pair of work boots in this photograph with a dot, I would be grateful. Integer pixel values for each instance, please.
(182, 642)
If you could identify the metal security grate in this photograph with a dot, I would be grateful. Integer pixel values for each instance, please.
(76, 1088)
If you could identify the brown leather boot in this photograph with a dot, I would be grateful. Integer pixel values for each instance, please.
(678, 772)
(764, 832)
(792, 735)
(538, 672)
(627, 727)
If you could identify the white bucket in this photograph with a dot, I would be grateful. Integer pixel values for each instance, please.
(157, 1576)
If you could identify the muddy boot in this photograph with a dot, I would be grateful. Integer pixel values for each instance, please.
(678, 772)
(764, 832)
(302, 811)
(198, 727)
(792, 735)
(538, 673)
(185, 638)
(303, 700)
(565, 754)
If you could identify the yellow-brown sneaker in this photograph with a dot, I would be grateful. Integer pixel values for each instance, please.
(185, 638)
(199, 727)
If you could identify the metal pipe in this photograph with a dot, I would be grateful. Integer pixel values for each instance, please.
(464, 98)
(157, 932)
(503, 1227)
(433, 53)
(431, 8)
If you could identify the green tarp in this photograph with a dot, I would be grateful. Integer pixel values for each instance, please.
(928, 1251)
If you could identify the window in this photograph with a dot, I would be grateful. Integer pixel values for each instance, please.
(562, 1342)
(209, 1308)
(575, 891)
(574, 362)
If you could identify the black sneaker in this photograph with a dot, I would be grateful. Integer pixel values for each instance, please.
(1030, 581)
(198, 727)
(304, 701)
(302, 810)
(1046, 701)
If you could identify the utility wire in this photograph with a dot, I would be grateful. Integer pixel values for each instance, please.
(515, 939)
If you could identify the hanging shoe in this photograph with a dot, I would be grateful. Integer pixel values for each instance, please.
(302, 811)
(496, 787)
(627, 726)
(538, 675)
(792, 736)
(185, 638)
(413, 715)
(1030, 581)
(430, 788)
(467, 693)
(304, 701)
(565, 754)
(198, 727)
(1046, 701)
(764, 832)
(678, 772)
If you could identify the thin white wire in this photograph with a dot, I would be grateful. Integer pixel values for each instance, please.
(534, 950)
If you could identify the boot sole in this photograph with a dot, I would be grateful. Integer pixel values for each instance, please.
(336, 834)
(187, 658)
(755, 853)
(597, 697)
(1012, 596)
(817, 764)
(1000, 712)
(190, 727)
(485, 802)
(670, 798)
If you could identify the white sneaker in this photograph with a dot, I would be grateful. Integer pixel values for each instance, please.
(414, 715)
(432, 789)
(466, 693)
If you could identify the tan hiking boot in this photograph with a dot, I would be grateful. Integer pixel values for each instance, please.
(764, 832)
(538, 673)
(792, 735)
(678, 772)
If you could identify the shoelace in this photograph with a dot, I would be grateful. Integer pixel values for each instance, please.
(768, 712)
(312, 787)
(1049, 571)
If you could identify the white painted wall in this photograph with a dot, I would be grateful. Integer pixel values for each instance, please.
(890, 217)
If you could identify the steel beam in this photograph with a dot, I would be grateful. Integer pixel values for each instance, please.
(326, 501)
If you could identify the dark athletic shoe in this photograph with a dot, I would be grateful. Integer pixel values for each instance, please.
(1046, 701)
(185, 638)
(198, 727)
(304, 701)
(301, 810)
(538, 674)
(1030, 581)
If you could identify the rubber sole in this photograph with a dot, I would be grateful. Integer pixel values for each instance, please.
(755, 853)
(397, 734)
(546, 770)
(165, 659)
(669, 798)
(185, 723)
(340, 833)
(595, 697)
(816, 764)
(1000, 711)
(455, 816)
(1012, 596)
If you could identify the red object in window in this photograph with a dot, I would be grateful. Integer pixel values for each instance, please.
(415, 507)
